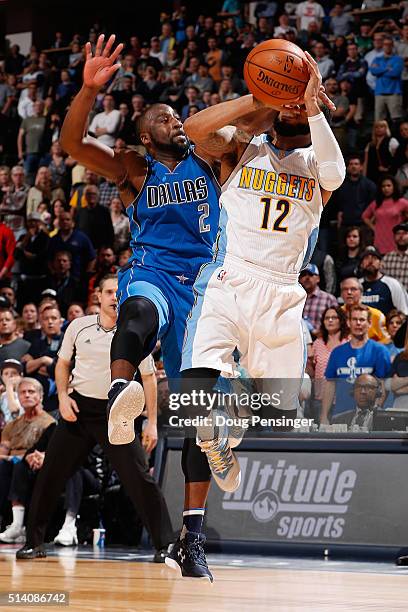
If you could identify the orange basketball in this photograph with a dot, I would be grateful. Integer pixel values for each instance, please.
(275, 72)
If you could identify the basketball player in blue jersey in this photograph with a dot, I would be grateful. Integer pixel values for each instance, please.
(171, 198)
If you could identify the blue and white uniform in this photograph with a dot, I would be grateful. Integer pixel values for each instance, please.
(249, 295)
(173, 223)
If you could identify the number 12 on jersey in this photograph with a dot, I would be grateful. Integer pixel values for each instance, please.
(282, 206)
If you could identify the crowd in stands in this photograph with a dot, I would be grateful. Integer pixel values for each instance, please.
(63, 227)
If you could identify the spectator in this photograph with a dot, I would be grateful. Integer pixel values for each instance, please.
(30, 253)
(61, 280)
(104, 125)
(350, 252)
(354, 195)
(381, 291)
(107, 191)
(324, 61)
(225, 91)
(95, 220)
(402, 50)
(65, 91)
(13, 205)
(74, 241)
(333, 332)
(126, 129)
(352, 295)
(395, 263)
(14, 61)
(78, 198)
(398, 379)
(214, 59)
(59, 166)
(386, 211)
(27, 101)
(199, 76)
(29, 315)
(284, 27)
(326, 267)
(367, 391)
(7, 292)
(355, 69)
(359, 355)
(343, 113)
(155, 50)
(307, 12)
(17, 437)
(378, 40)
(105, 265)
(173, 93)
(352, 119)
(192, 94)
(42, 190)
(29, 141)
(11, 371)
(401, 175)
(40, 361)
(7, 246)
(339, 52)
(146, 59)
(317, 300)
(341, 23)
(150, 88)
(387, 69)
(74, 311)
(378, 154)
(11, 346)
(120, 224)
(394, 321)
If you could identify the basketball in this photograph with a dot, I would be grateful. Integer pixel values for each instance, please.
(275, 72)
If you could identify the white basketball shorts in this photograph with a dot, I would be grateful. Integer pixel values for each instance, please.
(241, 305)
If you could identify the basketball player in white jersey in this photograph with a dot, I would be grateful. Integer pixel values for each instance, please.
(274, 187)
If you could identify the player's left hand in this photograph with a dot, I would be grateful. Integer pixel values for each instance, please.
(149, 436)
(315, 89)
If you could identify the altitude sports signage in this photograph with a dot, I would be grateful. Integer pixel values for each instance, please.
(310, 498)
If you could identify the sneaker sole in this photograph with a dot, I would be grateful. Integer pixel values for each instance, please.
(222, 483)
(172, 564)
(125, 409)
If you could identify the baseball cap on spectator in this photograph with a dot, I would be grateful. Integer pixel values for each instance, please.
(49, 293)
(371, 250)
(154, 39)
(311, 269)
(35, 216)
(5, 303)
(12, 363)
(144, 44)
(403, 227)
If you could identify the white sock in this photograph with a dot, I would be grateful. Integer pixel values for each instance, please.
(18, 516)
(117, 380)
(69, 519)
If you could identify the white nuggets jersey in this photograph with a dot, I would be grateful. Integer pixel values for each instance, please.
(271, 208)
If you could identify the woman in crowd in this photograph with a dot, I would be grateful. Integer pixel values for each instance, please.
(393, 322)
(120, 224)
(60, 167)
(5, 181)
(386, 211)
(379, 153)
(350, 251)
(58, 206)
(333, 332)
(29, 315)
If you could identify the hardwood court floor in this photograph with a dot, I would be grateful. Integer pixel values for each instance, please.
(110, 585)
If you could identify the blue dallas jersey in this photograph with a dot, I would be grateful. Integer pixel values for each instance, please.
(174, 218)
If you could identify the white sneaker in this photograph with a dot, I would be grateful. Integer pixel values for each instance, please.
(13, 534)
(67, 536)
(223, 463)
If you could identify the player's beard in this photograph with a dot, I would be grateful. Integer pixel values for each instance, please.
(284, 128)
(172, 146)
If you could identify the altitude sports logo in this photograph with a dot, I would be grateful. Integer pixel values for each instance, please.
(302, 502)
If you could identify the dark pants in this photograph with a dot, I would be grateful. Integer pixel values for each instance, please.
(67, 451)
(83, 481)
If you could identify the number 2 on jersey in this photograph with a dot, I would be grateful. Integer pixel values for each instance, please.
(281, 205)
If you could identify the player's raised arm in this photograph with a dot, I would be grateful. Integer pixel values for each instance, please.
(329, 158)
(220, 129)
(98, 70)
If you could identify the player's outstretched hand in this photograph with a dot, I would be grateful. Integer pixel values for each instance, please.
(100, 68)
(315, 89)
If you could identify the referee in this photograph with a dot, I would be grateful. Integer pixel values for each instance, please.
(83, 424)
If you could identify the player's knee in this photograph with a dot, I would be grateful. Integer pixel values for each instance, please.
(137, 326)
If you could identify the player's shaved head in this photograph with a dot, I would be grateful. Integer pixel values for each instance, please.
(160, 129)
